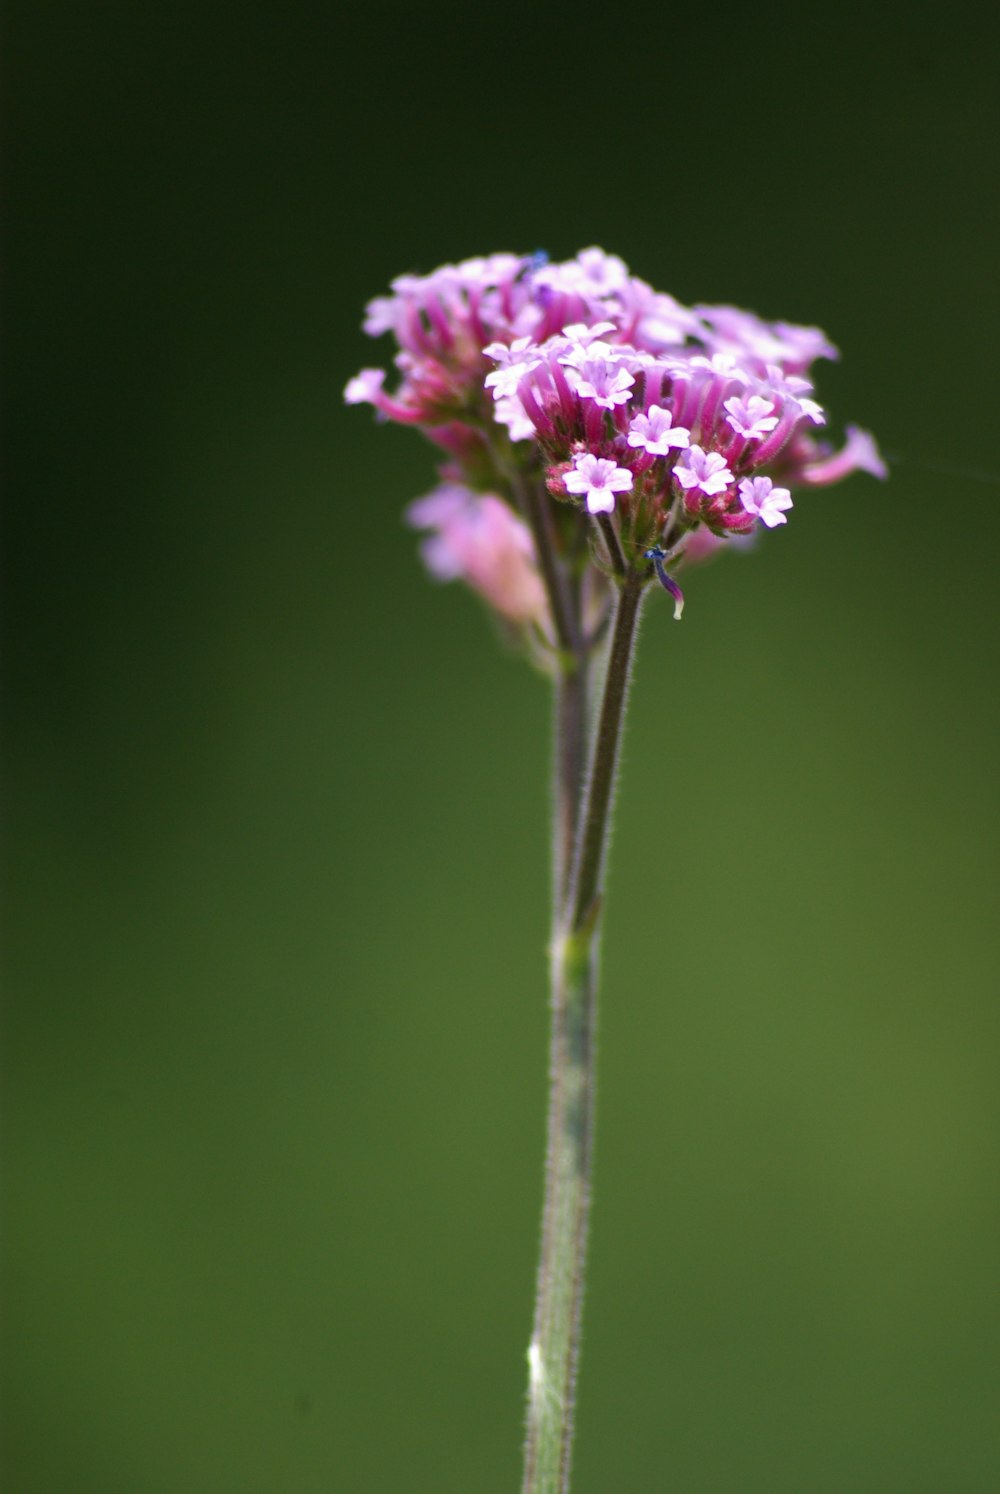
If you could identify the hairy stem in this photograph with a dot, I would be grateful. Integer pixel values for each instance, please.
(571, 707)
(533, 501)
(554, 1349)
(593, 832)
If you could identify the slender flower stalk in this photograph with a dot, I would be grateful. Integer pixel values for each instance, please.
(598, 437)
(555, 1341)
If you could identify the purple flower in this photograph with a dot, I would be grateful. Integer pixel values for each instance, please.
(662, 321)
(365, 387)
(511, 413)
(599, 480)
(761, 498)
(607, 383)
(859, 454)
(704, 470)
(581, 333)
(721, 365)
(381, 315)
(751, 417)
(748, 336)
(514, 362)
(592, 274)
(609, 388)
(794, 390)
(656, 433)
(477, 539)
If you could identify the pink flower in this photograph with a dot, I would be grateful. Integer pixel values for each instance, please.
(859, 454)
(747, 335)
(581, 333)
(761, 498)
(704, 470)
(365, 387)
(608, 383)
(616, 395)
(479, 540)
(511, 413)
(599, 480)
(513, 363)
(656, 433)
(592, 274)
(751, 417)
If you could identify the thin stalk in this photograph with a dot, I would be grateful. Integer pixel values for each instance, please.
(554, 1349)
(615, 557)
(571, 710)
(593, 833)
(571, 665)
(533, 502)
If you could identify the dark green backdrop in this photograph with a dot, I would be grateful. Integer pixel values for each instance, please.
(276, 816)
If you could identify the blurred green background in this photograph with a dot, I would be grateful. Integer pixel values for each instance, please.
(274, 1024)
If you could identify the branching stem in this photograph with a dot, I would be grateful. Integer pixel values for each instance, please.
(554, 1349)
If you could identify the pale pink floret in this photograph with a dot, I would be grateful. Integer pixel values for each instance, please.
(381, 315)
(655, 433)
(490, 269)
(591, 274)
(581, 333)
(722, 365)
(662, 322)
(746, 334)
(704, 470)
(606, 383)
(794, 388)
(574, 352)
(511, 413)
(365, 387)
(860, 454)
(603, 272)
(599, 480)
(513, 363)
(750, 416)
(761, 498)
(479, 540)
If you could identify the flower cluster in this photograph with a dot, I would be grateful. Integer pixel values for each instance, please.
(668, 421)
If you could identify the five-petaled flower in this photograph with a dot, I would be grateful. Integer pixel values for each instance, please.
(704, 471)
(599, 480)
(751, 417)
(656, 432)
(515, 361)
(761, 498)
(608, 383)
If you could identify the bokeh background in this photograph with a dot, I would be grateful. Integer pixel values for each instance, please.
(274, 1023)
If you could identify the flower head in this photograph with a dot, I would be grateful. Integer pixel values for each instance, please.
(686, 427)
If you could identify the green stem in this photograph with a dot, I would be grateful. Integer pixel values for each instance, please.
(533, 502)
(571, 690)
(593, 834)
(554, 1349)
(571, 665)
